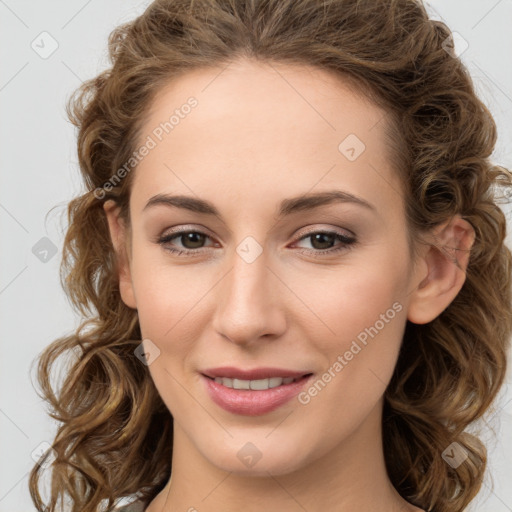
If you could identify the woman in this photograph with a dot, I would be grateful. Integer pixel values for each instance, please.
(290, 261)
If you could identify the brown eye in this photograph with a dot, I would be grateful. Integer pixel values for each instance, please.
(189, 241)
(192, 239)
(323, 242)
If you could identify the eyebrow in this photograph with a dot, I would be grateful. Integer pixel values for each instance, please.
(287, 207)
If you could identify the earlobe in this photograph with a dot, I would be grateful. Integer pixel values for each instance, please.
(119, 237)
(441, 270)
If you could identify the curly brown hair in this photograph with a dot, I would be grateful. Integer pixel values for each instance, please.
(115, 435)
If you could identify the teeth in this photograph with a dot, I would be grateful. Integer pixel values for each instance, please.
(260, 384)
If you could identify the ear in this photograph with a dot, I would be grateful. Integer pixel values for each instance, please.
(441, 270)
(120, 240)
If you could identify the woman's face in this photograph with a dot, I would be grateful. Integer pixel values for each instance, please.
(304, 266)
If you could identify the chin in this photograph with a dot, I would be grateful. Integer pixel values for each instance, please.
(258, 458)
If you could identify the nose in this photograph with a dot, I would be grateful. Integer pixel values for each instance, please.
(249, 302)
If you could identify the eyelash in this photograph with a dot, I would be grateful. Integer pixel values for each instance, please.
(346, 243)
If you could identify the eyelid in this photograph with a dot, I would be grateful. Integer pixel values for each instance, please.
(185, 228)
(176, 231)
(348, 240)
(310, 230)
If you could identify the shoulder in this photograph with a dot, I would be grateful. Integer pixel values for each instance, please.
(134, 506)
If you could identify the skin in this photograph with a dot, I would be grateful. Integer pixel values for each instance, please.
(252, 141)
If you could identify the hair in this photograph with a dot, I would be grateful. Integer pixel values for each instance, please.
(115, 434)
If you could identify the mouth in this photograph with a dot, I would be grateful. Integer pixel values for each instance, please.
(257, 384)
(253, 397)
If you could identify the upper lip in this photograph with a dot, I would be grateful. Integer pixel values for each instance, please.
(252, 374)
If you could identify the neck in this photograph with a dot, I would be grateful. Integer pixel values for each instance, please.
(352, 476)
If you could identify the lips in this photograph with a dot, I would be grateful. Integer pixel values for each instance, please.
(253, 401)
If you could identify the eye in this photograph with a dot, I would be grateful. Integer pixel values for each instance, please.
(192, 242)
(322, 242)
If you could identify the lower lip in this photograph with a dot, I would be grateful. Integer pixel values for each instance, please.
(253, 403)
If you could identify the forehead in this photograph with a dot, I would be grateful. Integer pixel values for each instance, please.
(264, 97)
(260, 128)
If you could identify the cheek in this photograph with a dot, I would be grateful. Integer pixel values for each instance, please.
(351, 319)
(367, 312)
(336, 303)
(360, 317)
(167, 294)
(168, 303)
(345, 300)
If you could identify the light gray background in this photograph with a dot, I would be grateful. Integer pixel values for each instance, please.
(39, 171)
